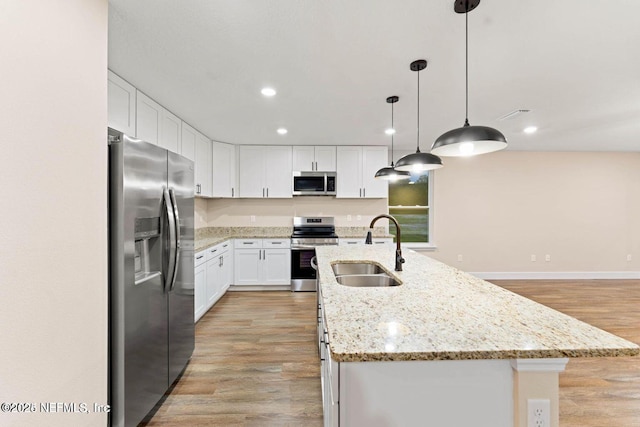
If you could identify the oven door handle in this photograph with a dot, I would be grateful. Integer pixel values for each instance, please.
(314, 263)
(302, 247)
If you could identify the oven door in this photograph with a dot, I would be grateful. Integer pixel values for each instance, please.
(303, 275)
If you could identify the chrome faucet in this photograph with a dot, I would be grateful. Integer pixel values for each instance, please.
(369, 239)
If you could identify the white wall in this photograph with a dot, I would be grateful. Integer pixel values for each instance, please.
(53, 237)
(496, 210)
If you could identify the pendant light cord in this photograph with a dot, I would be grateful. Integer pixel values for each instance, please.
(466, 64)
(394, 131)
(418, 118)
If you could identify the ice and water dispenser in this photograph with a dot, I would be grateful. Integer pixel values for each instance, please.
(148, 249)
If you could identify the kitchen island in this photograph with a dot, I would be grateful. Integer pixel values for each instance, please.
(443, 348)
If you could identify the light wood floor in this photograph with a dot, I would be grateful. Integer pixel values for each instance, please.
(255, 362)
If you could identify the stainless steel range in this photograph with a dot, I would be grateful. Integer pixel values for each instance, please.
(308, 232)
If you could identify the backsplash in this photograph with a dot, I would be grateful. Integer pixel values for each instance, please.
(280, 212)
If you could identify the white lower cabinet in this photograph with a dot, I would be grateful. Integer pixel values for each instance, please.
(259, 262)
(378, 241)
(200, 285)
(213, 269)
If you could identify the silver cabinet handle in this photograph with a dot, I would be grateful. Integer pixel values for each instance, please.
(360, 192)
(267, 191)
(200, 257)
(232, 191)
(220, 261)
(364, 192)
(312, 167)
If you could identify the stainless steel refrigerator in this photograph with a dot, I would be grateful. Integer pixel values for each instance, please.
(151, 283)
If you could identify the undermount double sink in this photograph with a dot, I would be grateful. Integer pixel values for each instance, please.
(362, 274)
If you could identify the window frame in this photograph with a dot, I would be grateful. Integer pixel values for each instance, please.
(430, 245)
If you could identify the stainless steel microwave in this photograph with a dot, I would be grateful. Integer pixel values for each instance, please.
(314, 183)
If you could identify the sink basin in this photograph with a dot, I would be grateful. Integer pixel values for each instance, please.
(343, 268)
(367, 280)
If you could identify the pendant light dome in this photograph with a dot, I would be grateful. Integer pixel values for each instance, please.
(390, 173)
(418, 162)
(468, 140)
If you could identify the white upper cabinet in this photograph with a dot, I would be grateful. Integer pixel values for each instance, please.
(265, 171)
(188, 141)
(171, 134)
(318, 158)
(203, 166)
(278, 172)
(223, 170)
(356, 168)
(148, 119)
(121, 101)
(373, 159)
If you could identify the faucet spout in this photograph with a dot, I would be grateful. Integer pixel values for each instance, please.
(369, 240)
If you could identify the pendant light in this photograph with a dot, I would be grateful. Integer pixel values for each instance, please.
(468, 140)
(390, 173)
(418, 162)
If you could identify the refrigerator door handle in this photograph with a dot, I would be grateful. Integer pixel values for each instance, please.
(176, 219)
(170, 274)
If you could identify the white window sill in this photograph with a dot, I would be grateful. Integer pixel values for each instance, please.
(420, 247)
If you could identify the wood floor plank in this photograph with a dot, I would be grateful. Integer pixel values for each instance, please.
(256, 361)
(595, 392)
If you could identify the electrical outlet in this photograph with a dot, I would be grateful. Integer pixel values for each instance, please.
(547, 257)
(538, 413)
(460, 258)
(533, 258)
(253, 218)
(348, 217)
(629, 257)
(359, 217)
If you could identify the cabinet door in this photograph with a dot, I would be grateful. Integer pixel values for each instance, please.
(349, 171)
(373, 159)
(188, 141)
(251, 177)
(278, 172)
(303, 158)
(226, 272)
(200, 291)
(247, 266)
(277, 267)
(223, 169)
(213, 289)
(121, 101)
(148, 119)
(203, 166)
(171, 133)
(325, 158)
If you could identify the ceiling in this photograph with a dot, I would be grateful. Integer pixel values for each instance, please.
(575, 64)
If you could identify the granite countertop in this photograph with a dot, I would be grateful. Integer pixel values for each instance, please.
(207, 237)
(442, 313)
(211, 236)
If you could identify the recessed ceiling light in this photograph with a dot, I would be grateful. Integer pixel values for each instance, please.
(267, 91)
(390, 131)
(530, 129)
(282, 131)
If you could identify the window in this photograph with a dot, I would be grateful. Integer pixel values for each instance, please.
(409, 205)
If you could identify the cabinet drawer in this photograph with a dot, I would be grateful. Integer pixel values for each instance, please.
(225, 246)
(200, 258)
(248, 243)
(214, 252)
(276, 243)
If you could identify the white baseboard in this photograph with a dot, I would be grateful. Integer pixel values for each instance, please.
(555, 275)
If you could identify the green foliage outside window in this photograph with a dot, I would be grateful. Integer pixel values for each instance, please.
(409, 205)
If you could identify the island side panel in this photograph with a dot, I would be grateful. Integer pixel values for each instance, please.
(415, 393)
